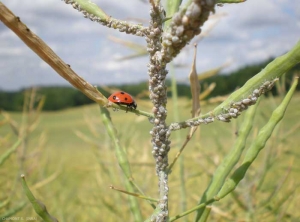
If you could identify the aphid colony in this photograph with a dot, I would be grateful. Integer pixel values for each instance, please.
(111, 23)
(235, 109)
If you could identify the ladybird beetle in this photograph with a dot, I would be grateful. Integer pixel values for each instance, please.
(123, 98)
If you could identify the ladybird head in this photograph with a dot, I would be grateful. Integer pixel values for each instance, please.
(133, 105)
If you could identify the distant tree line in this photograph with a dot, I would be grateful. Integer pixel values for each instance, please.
(57, 97)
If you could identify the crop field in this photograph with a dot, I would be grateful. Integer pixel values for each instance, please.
(69, 164)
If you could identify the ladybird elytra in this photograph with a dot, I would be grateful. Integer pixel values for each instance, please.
(123, 98)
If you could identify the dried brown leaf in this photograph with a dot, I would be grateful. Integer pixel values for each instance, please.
(195, 87)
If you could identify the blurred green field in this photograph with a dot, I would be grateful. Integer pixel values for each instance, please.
(69, 163)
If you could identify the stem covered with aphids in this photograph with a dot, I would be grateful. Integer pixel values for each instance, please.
(163, 45)
(157, 73)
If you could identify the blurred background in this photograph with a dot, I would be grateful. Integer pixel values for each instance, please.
(54, 135)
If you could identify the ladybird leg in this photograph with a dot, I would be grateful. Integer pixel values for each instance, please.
(116, 109)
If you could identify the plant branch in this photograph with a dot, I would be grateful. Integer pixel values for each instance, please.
(260, 142)
(235, 109)
(38, 206)
(46, 53)
(230, 1)
(133, 194)
(158, 95)
(9, 151)
(196, 108)
(94, 13)
(247, 95)
(122, 161)
(250, 156)
(200, 206)
(185, 24)
(52, 59)
(231, 159)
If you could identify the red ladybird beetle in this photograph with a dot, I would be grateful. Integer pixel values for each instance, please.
(123, 98)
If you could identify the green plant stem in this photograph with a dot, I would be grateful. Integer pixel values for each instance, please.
(8, 152)
(123, 163)
(253, 151)
(193, 209)
(150, 200)
(172, 6)
(258, 145)
(134, 194)
(135, 111)
(230, 1)
(38, 206)
(12, 211)
(95, 13)
(92, 8)
(274, 69)
(228, 163)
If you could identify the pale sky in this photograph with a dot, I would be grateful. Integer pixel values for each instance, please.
(243, 34)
